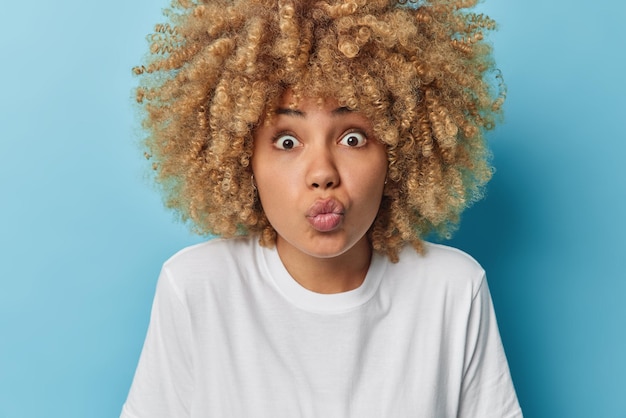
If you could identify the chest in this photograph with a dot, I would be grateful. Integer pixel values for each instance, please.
(269, 359)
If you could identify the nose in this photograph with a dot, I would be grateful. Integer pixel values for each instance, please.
(322, 172)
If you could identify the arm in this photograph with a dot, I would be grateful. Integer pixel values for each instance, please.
(163, 382)
(487, 389)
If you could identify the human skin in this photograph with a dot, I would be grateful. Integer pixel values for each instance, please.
(320, 175)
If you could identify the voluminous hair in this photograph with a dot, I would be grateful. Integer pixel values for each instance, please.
(421, 72)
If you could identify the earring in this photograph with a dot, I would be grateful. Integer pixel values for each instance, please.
(253, 182)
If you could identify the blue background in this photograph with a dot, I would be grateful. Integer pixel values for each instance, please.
(83, 232)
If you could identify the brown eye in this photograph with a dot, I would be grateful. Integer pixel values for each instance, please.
(286, 142)
(353, 139)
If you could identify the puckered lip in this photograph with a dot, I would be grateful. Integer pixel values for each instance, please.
(325, 207)
(325, 215)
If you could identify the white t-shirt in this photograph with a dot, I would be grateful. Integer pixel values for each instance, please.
(233, 335)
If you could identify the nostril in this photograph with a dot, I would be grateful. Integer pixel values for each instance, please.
(328, 185)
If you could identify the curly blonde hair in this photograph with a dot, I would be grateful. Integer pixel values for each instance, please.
(419, 71)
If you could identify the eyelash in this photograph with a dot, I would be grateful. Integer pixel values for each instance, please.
(291, 137)
(358, 133)
(281, 135)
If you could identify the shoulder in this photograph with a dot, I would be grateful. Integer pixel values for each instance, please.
(216, 250)
(439, 266)
(211, 262)
(440, 257)
(450, 259)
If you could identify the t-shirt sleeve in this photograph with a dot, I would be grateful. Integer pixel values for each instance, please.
(487, 389)
(163, 380)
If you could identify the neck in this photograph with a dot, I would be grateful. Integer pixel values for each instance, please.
(338, 274)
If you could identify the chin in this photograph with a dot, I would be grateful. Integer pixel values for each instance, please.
(326, 249)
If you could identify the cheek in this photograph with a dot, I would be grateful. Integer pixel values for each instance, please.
(275, 179)
(272, 203)
(275, 188)
(366, 185)
(376, 178)
(376, 172)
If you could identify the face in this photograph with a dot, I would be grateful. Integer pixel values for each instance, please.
(320, 176)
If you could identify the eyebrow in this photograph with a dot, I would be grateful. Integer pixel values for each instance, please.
(298, 113)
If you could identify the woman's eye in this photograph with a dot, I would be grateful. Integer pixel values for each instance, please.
(286, 142)
(353, 139)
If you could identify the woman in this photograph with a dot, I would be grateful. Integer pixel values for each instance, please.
(321, 142)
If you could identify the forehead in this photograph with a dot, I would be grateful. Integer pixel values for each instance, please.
(297, 102)
(314, 109)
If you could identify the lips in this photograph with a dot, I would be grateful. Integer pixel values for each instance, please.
(325, 215)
